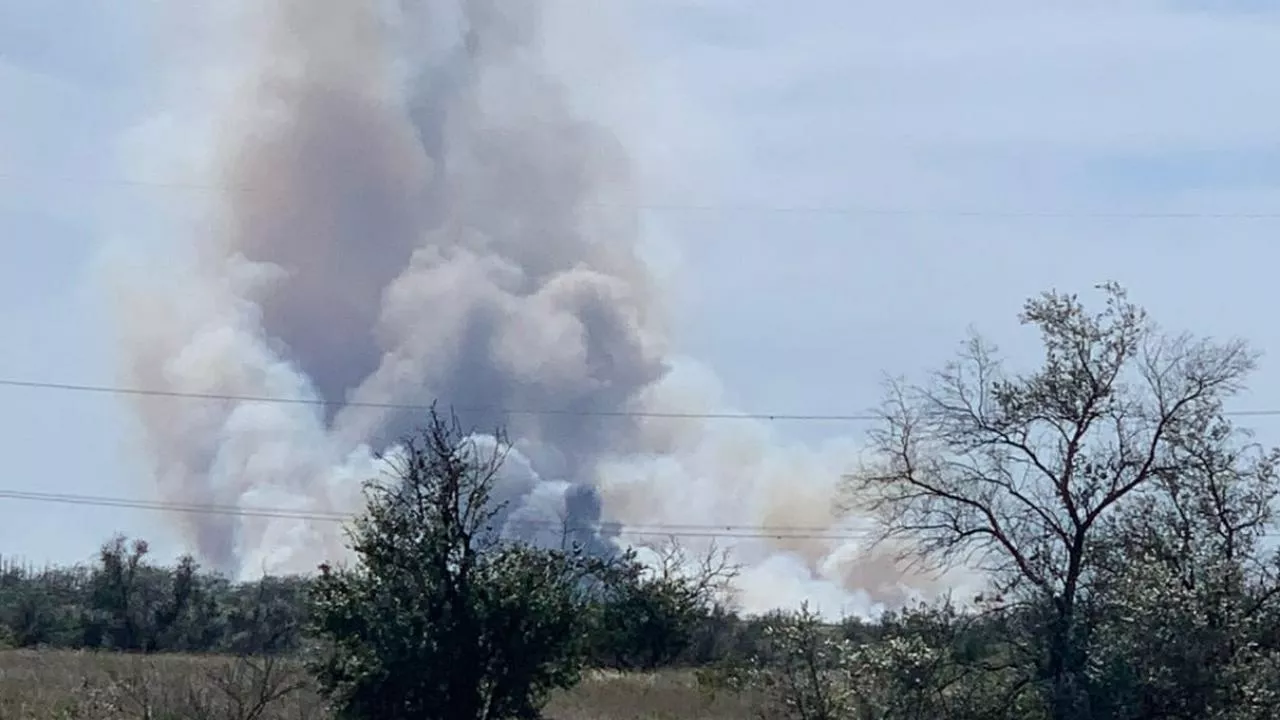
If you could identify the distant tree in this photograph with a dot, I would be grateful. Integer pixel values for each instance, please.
(41, 607)
(917, 663)
(123, 595)
(266, 617)
(124, 602)
(806, 672)
(1022, 475)
(650, 616)
(438, 617)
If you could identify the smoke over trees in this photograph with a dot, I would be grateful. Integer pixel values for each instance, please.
(415, 210)
(1120, 519)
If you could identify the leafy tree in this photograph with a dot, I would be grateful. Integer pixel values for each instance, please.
(650, 616)
(1189, 596)
(267, 617)
(803, 670)
(123, 602)
(41, 608)
(124, 595)
(438, 618)
(1022, 475)
(936, 661)
(919, 663)
(809, 672)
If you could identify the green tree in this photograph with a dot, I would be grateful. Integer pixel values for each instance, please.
(438, 617)
(802, 669)
(267, 616)
(807, 671)
(651, 616)
(1022, 475)
(41, 607)
(1187, 599)
(125, 595)
(917, 663)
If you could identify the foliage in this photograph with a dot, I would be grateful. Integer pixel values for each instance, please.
(1118, 514)
(930, 661)
(650, 616)
(805, 672)
(439, 618)
(1186, 607)
(1021, 476)
(124, 602)
(63, 685)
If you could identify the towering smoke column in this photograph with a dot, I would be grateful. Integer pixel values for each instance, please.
(414, 213)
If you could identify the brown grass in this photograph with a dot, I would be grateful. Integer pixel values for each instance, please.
(57, 685)
(670, 695)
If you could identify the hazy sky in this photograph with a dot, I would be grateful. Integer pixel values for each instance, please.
(953, 113)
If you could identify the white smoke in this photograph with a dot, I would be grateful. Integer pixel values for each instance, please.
(414, 211)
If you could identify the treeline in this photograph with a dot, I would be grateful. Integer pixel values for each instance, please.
(123, 601)
(1124, 524)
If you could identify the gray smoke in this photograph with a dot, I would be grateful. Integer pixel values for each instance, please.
(415, 213)
(442, 240)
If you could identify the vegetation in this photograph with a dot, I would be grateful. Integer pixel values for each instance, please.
(68, 685)
(1122, 519)
(441, 618)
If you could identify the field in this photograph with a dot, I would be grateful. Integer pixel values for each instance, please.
(58, 685)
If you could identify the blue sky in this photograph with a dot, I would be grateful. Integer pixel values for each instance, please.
(756, 108)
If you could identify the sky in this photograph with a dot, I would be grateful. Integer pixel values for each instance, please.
(834, 190)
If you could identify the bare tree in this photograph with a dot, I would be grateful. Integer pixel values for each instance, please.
(1013, 474)
(705, 579)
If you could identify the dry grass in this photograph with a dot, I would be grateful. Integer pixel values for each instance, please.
(55, 685)
(656, 696)
(65, 685)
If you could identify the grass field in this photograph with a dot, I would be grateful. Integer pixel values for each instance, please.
(57, 685)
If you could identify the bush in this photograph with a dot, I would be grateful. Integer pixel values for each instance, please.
(438, 618)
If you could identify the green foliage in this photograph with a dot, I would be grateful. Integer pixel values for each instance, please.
(650, 616)
(805, 671)
(41, 608)
(931, 661)
(438, 618)
(1184, 606)
(123, 602)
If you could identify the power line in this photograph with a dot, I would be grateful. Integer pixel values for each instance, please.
(743, 208)
(497, 410)
(112, 390)
(643, 530)
(192, 508)
(668, 530)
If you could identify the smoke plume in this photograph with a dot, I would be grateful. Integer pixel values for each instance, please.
(413, 211)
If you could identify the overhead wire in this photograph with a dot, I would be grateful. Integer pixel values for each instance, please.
(657, 530)
(497, 410)
(494, 409)
(741, 208)
(728, 531)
